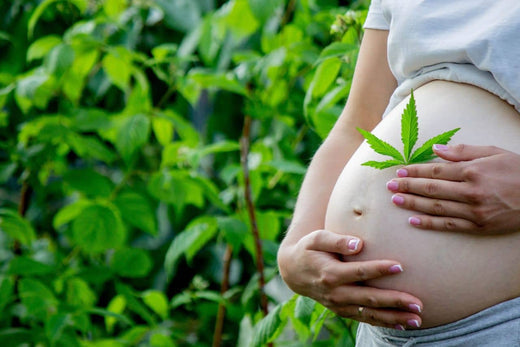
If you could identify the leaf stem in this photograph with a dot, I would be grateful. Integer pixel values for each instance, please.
(221, 313)
(244, 152)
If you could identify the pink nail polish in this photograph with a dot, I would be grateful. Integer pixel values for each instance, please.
(413, 323)
(414, 221)
(395, 269)
(392, 185)
(397, 199)
(402, 173)
(353, 244)
(440, 147)
(415, 308)
(399, 327)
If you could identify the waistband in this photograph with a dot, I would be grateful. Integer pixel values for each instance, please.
(498, 325)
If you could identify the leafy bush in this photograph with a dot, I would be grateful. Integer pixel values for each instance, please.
(151, 153)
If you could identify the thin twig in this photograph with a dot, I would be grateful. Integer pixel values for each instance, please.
(219, 324)
(244, 152)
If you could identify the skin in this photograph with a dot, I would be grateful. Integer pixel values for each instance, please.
(477, 190)
(310, 257)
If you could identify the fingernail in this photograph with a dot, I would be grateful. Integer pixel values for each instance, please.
(395, 269)
(397, 199)
(402, 173)
(353, 244)
(399, 327)
(413, 323)
(440, 147)
(414, 221)
(392, 185)
(414, 307)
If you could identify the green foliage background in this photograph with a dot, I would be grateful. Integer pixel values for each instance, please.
(126, 129)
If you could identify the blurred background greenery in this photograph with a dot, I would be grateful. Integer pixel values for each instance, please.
(151, 152)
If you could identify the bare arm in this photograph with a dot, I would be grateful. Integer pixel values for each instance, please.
(309, 256)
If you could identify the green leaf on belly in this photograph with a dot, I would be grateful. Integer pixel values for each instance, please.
(409, 136)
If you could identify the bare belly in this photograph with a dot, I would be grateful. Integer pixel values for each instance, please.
(454, 274)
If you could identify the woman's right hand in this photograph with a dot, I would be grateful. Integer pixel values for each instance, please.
(314, 267)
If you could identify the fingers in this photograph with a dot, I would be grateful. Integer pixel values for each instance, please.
(359, 271)
(443, 171)
(328, 241)
(379, 306)
(444, 224)
(465, 152)
(389, 318)
(440, 205)
(432, 188)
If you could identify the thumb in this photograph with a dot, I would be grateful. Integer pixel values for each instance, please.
(464, 152)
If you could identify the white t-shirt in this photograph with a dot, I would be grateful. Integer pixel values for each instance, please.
(469, 41)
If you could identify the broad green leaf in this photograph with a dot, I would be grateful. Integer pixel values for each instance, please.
(288, 166)
(227, 82)
(183, 128)
(118, 67)
(59, 59)
(336, 49)
(190, 241)
(114, 8)
(55, 326)
(132, 136)
(98, 228)
(131, 262)
(90, 147)
(409, 127)
(137, 211)
(234, 231)
(135, 305)
(6, 290)
(182, 15)
(33, 20)
(39, 48)
(134, 335)
(37, 298)
(90, 119)
(25, 266)
(301, 316)
(268, 328)
(89, 182)
(425, 152)
(333, 97)
(74, 79)
(69, 212)
(382, 164)
(264, 10)
(16, 226)
(161, 340)
(163, 130)
(176, 188)
(318, 318)
(237, 17)
(116, 306)
(79, 294)
(325, 75)
(6, 171)
(380, 146)
(157, 301)
(220, 147)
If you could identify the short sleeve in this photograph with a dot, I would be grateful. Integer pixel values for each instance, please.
(375, 17)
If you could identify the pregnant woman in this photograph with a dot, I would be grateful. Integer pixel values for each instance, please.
(353, 244)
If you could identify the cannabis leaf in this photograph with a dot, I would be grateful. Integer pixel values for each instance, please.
(409, 136)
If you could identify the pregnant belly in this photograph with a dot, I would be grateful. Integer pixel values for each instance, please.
(454, 274)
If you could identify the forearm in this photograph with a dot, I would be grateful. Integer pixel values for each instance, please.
(323, 172)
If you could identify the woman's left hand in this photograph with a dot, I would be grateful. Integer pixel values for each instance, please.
(477, 190)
